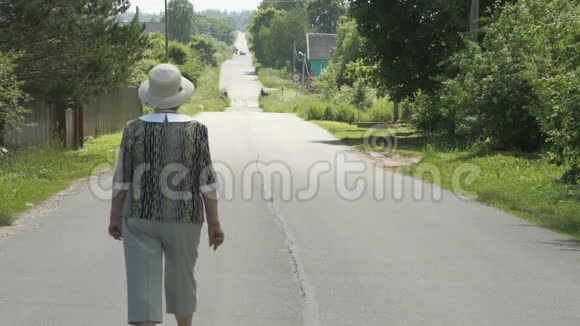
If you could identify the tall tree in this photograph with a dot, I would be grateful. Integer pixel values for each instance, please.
(324, 15)
(412, 38)
(180, 20)
(262, 20)
(281, 5)
(273, 33)
(71, 49)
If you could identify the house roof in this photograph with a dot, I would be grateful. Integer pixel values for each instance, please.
(154, 28)
(320, 46)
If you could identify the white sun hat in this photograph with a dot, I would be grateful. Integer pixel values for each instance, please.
(166, 88)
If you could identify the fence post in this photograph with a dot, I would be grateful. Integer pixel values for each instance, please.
(2, 132)
(79, 128)
(69, 137)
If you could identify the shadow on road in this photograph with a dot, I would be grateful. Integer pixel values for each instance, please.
(565, 245)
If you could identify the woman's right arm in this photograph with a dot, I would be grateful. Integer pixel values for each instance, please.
(215, 232)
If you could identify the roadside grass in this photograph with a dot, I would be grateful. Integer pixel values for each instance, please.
(523, 184)
(289, 100)
(286, 97)
(274, 78)
(30, 176)
(207, 96)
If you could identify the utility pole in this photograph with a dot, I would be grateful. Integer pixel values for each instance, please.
(293, 57)
(166, 36)
(473, 18)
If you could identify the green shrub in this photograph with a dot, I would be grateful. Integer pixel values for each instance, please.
(490, 98)
(329, 113)
(344, 112)
(205, 49)
(363, 96)
(520, 87)
(547, 34)
(426, 113)
(316, 111)
(380, 111)
(11, 95)
(178, 53)
(191, 70)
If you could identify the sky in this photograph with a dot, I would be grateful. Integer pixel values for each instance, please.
(155, 6)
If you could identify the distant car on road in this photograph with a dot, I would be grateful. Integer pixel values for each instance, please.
(242, 52)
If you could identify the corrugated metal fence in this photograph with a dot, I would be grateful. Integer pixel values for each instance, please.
(105, 114)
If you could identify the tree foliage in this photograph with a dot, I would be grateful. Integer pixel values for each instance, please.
(281, 5)
(205, 48)
(11, 96)
(273, 33)
(519, 87)
(241, 19)
(180, 20)
(181, 55)
(324, 15)
(410, 39)
(220, 28)
(71, 50)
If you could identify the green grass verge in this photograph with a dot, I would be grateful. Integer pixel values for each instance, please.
(208, 97)
(287, 97)
(32, 175)
(521, 184)
(274, 78)
(288, 100)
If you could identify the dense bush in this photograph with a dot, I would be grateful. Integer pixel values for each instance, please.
(518, 88)
(490, 99)
(343, 112)
(426, 113)
(380, 111)
(178, 53)
(192, 69)
(316, 111)
(181, 55)
(548, 35)
(331, 111)
(205, 49)
(11, 97)
(153, 55)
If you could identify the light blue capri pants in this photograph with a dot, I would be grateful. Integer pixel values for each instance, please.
(145, 243)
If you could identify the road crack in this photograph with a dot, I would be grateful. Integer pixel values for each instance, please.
(310, 309)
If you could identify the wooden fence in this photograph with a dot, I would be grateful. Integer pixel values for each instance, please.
(41, 125)
(110, 112)
(105, 114)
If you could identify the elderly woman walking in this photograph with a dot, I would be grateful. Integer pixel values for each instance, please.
(163, 183)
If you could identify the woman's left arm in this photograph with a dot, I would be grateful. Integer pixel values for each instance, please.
(115, 223)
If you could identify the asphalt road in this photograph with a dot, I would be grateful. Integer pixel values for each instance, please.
(312, 251)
